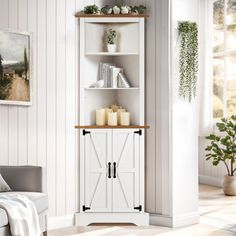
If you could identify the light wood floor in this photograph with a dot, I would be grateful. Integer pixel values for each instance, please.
(218, 218)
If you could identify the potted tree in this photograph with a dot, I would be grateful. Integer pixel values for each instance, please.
(222, 149)
(110, 39)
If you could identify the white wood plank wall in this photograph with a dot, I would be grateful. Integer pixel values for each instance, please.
(44, 133)
(209, 174)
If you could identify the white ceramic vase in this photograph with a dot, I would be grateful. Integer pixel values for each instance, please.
(229, 185)
(125, 10)
(116, 10)
(111, 47)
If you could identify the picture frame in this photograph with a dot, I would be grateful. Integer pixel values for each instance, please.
(15, 68)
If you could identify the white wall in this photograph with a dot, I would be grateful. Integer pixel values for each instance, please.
(176, 194)
(43, 133)
(185, 124)
(209, 174)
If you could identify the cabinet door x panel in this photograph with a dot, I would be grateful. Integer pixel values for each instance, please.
(126, 185)
(97, 146)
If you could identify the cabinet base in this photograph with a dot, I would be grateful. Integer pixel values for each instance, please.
(84, 219)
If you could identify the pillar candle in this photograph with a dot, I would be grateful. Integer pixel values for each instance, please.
(107, 111)
(115, 108)
(124, 118)
(118, 115)
(112, 118)
(100, 117)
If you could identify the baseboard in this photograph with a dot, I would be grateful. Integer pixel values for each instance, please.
(176, 221)
(212, 181)
(60, 222)
(186, 219)
(160, 220)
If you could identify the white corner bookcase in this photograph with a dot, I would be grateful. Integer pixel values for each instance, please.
(112, 158)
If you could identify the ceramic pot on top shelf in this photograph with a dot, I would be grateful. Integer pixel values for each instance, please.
(111, 48)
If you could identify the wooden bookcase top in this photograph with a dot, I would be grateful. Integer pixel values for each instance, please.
(80, 15)
(112, 127)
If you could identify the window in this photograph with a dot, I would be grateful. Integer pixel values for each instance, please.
(224, 58)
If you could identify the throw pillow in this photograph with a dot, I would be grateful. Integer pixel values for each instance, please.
(4, 187)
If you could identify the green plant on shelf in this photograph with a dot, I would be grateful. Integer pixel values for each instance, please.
(91, 9)
(116, 10)
(111, 36)
(138, 9)
(106, 10)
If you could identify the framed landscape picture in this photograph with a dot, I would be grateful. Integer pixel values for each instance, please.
(15, 68)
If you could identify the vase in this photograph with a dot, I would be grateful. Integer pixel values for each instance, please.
(111, 47)
(125, 10)
(229, 185)
(116, 10)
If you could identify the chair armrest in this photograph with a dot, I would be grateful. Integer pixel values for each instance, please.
(23, 178)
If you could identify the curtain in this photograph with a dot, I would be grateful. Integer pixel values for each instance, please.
(205, 85)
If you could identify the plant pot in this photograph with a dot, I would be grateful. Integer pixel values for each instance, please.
(229, 185)
(111, 47)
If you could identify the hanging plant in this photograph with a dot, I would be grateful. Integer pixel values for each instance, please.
(188, 59)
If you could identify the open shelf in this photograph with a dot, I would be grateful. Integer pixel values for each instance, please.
(112, 127)
(129, 56)
(127, 39)
(91, 68)
(132, 88)
(111, 53)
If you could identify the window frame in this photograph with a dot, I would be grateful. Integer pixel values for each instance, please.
(222, 55)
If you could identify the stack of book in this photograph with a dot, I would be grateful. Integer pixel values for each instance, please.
(110, 74)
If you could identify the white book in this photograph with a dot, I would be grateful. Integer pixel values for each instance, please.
(110, 76)
(101, 72)
(114, 76)
(104, 67)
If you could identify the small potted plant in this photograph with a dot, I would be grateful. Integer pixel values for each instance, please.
(222, 149)
(110, 39)
(91, 9)
(138, 9)
(106, 10)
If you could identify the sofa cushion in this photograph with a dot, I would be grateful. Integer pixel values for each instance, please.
(3, 218)
(4, 187)
(40, 199)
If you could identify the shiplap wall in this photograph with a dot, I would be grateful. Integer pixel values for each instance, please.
(209, 174)
(44, 133)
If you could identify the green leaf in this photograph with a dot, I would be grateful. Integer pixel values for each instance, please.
(211, 137)
(208, 148)
(215, 162)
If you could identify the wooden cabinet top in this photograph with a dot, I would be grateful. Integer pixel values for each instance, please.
(112, 127)
(80, 15)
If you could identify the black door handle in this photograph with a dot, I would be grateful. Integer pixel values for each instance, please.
(114, 174)
(109, 170)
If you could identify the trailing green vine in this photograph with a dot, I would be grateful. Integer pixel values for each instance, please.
(188, 59)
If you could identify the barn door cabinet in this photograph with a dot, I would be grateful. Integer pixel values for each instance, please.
(111, 158)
